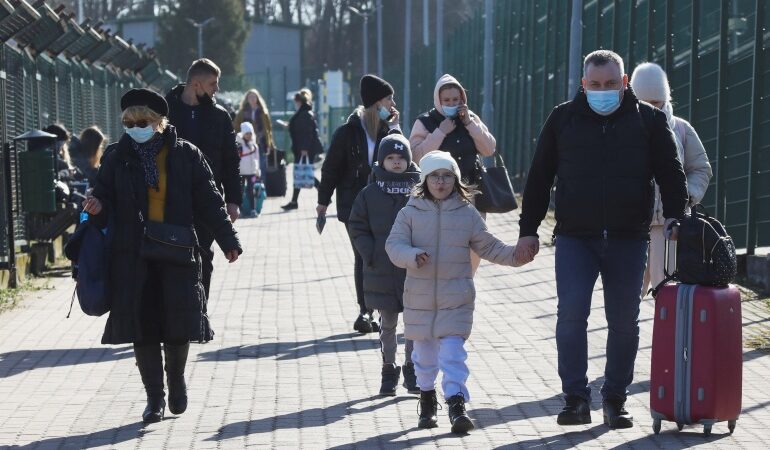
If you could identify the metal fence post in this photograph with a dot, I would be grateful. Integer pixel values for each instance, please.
(756, 84)
(10, 216)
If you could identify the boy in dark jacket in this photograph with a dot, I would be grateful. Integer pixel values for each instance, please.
(373, 214)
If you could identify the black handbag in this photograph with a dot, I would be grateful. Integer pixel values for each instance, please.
(171, 244)
(496, 190)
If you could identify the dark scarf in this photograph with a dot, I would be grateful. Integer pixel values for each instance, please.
(396, 183)
(147, 153)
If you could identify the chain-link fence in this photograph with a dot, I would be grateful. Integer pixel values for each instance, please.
(54, 70)
(715, 53)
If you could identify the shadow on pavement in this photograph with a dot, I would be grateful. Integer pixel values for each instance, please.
(309, 418)
(102, 438)
(389, 440)
(572, 439)
(14, 363)
(283, 351)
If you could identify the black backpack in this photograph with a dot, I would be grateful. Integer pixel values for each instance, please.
(705, 253)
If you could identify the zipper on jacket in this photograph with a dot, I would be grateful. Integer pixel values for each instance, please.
(435, 274)
(604, 179)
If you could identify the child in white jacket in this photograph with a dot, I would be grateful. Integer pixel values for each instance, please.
(432, 238)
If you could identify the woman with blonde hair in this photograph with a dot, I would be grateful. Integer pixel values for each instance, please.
(254, 110)
(348, 164)
(151, 188)
(305, 142)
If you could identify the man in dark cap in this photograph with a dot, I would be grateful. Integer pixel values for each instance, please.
(199, 119)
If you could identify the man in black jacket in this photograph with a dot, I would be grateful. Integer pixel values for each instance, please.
(198, 119)
(605, 147)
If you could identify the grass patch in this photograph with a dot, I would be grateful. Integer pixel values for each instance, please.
(11, 298)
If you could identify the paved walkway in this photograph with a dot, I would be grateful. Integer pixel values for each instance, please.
(285, 371)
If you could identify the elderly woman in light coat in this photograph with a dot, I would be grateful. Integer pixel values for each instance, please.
(650, 84)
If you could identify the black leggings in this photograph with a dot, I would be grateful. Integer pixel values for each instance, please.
(248, 181)
(295, 196)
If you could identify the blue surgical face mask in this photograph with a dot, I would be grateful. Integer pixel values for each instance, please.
(450, 111)
(383, 112)
(140, 135)
(603, 102)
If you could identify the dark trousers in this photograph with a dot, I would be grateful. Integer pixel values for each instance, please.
(358, 275)
(579, 262)
(247, 184)
(295, 196)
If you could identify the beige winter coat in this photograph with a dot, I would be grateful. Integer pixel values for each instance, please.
(439, 297)
(696, 165)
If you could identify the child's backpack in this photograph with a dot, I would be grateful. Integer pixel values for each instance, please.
(88, 249)
(705, 253)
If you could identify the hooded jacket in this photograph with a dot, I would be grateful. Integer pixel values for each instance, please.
(303, 130)
(371, 219)
(464, 142)
(216, 140)
(605, 167)
(439, 297)
(346, 167)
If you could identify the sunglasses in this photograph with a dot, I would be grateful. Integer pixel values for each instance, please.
(138, 123)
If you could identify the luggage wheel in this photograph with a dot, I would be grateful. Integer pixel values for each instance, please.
(680, 425)
(731, 425)
(656, 426)
(707, 430)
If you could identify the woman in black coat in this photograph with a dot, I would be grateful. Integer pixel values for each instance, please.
(151, 178)
(348, 164)
(303, 130)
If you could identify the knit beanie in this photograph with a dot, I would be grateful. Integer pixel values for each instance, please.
(374, 89)
(247, 127)
(435, 160)
(394, 143)
(650, 83)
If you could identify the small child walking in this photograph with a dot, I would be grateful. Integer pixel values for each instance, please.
(250, 173)
(372, 217)
(432, 238)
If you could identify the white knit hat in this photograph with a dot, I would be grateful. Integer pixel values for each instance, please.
(435, 160)
(650, 83)
(247, 127)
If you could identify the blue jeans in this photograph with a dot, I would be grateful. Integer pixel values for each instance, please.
(621, 264)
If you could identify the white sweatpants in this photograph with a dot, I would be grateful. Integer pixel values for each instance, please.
(446, 354)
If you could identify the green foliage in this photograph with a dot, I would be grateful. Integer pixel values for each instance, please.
(223, 39)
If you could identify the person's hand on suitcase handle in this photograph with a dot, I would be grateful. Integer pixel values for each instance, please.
(671, 229)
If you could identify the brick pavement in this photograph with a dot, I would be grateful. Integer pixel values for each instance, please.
(285, 371)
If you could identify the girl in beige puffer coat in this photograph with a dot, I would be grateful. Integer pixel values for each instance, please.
(432, 238)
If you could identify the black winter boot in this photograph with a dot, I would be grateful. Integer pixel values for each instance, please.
(362, 324)
(459, 419)
(427, 408)
(150, 363)
(176, 358)
(410, 379)
(575, 412)
(615, 414)
(390, 376)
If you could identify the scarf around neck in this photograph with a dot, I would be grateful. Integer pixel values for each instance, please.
(147, 152)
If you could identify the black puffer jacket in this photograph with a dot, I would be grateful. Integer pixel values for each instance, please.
(190, 197)
(371, 219)
(216, 140)
(303, 130)
(605, 167)
(346, 167)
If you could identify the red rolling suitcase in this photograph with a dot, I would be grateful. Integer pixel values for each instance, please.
(697, 358)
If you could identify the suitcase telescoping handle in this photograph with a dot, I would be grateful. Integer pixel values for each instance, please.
(668, 275)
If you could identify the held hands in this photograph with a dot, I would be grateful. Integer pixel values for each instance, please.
(396, 116)
(447, 126)
(422, 259)
(526, 249)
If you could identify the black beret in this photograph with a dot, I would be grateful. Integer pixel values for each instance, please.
(144, 97)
